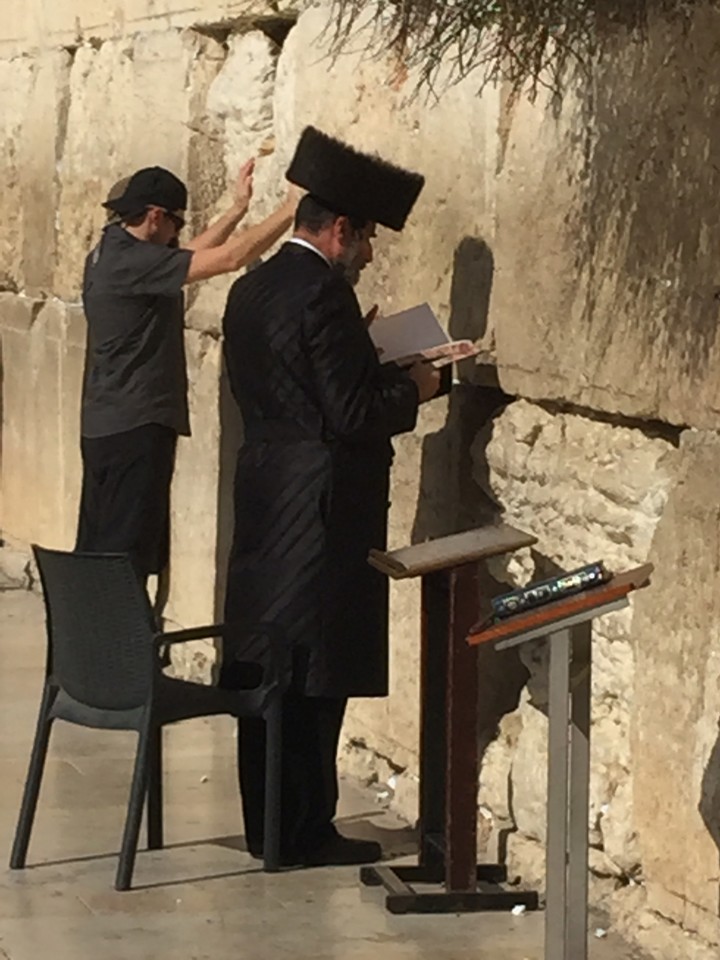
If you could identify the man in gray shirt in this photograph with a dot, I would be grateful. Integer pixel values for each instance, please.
(134, 402)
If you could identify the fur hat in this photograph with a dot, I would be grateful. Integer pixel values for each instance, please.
(352, 183)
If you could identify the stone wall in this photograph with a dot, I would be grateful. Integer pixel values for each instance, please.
(573, 240)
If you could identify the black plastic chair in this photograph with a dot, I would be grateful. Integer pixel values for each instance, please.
(104, 670)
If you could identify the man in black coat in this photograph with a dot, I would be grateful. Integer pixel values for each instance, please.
(312, 482)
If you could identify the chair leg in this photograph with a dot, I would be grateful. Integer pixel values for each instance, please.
(131, 833)
(155, 790)
(273, 786)
(32, 783)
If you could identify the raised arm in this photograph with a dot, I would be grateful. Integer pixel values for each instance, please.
(244, 247)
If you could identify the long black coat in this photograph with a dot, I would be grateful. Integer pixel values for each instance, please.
(311, 488)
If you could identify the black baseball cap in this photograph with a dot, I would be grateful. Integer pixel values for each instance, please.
(151, 186)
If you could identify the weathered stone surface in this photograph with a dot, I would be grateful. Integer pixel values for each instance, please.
(41, 153)
(675, 739)
(16, 567)
(588, 490)
(18, 312)
(605, 292)
(16, 80)
(42, 376)
(242, 97)
(641, 913)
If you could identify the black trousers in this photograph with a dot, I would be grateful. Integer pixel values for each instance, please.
(125, 501)
(311, 734)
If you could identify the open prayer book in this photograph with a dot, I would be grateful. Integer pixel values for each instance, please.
(416, 333)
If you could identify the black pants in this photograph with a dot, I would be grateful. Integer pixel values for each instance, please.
(311, 733)
(125, 502)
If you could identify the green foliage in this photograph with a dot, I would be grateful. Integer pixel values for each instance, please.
(519, 41)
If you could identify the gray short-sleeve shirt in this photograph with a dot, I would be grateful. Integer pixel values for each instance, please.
(135, 368)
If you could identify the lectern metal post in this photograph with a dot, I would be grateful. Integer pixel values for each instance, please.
(567, 627)
(579, 799)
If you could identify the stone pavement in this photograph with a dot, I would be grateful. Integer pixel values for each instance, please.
(202, 898)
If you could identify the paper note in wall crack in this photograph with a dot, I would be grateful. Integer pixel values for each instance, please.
(451, 352)
(417, 332)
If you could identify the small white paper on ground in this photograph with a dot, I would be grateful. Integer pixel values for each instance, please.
(519, 910)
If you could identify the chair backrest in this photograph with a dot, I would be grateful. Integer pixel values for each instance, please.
(99, 626)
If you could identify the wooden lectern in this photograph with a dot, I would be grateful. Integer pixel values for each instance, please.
(448, 730)
(566, 624)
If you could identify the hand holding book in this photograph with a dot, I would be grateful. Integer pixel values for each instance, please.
(416, 334)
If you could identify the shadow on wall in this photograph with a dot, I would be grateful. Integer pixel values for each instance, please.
(453, 496)
(450, 501)
(709, 805)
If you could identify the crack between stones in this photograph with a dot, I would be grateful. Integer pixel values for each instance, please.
(358, 743)
(276, 28)
(653, 429)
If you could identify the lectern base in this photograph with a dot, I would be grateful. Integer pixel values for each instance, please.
(403, 898)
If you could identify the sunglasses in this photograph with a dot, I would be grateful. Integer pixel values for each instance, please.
(177, 221)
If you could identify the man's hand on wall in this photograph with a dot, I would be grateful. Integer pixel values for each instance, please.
(244, 185)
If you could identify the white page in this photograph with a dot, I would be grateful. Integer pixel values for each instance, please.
(406, 333)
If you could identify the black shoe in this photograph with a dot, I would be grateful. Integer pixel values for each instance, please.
(342, 851)
(286, 859)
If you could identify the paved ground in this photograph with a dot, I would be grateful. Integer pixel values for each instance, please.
(202, 898)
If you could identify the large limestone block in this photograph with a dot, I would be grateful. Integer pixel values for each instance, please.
(675, 736)
(41, 151)
(589, 491)
(606, 289)
(535, 286)
(17, 314)
(33, 436)
(132, 104)
(16, 84)
(242, 96)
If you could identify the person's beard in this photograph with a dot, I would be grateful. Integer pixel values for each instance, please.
(348, 265)
(351, 272)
